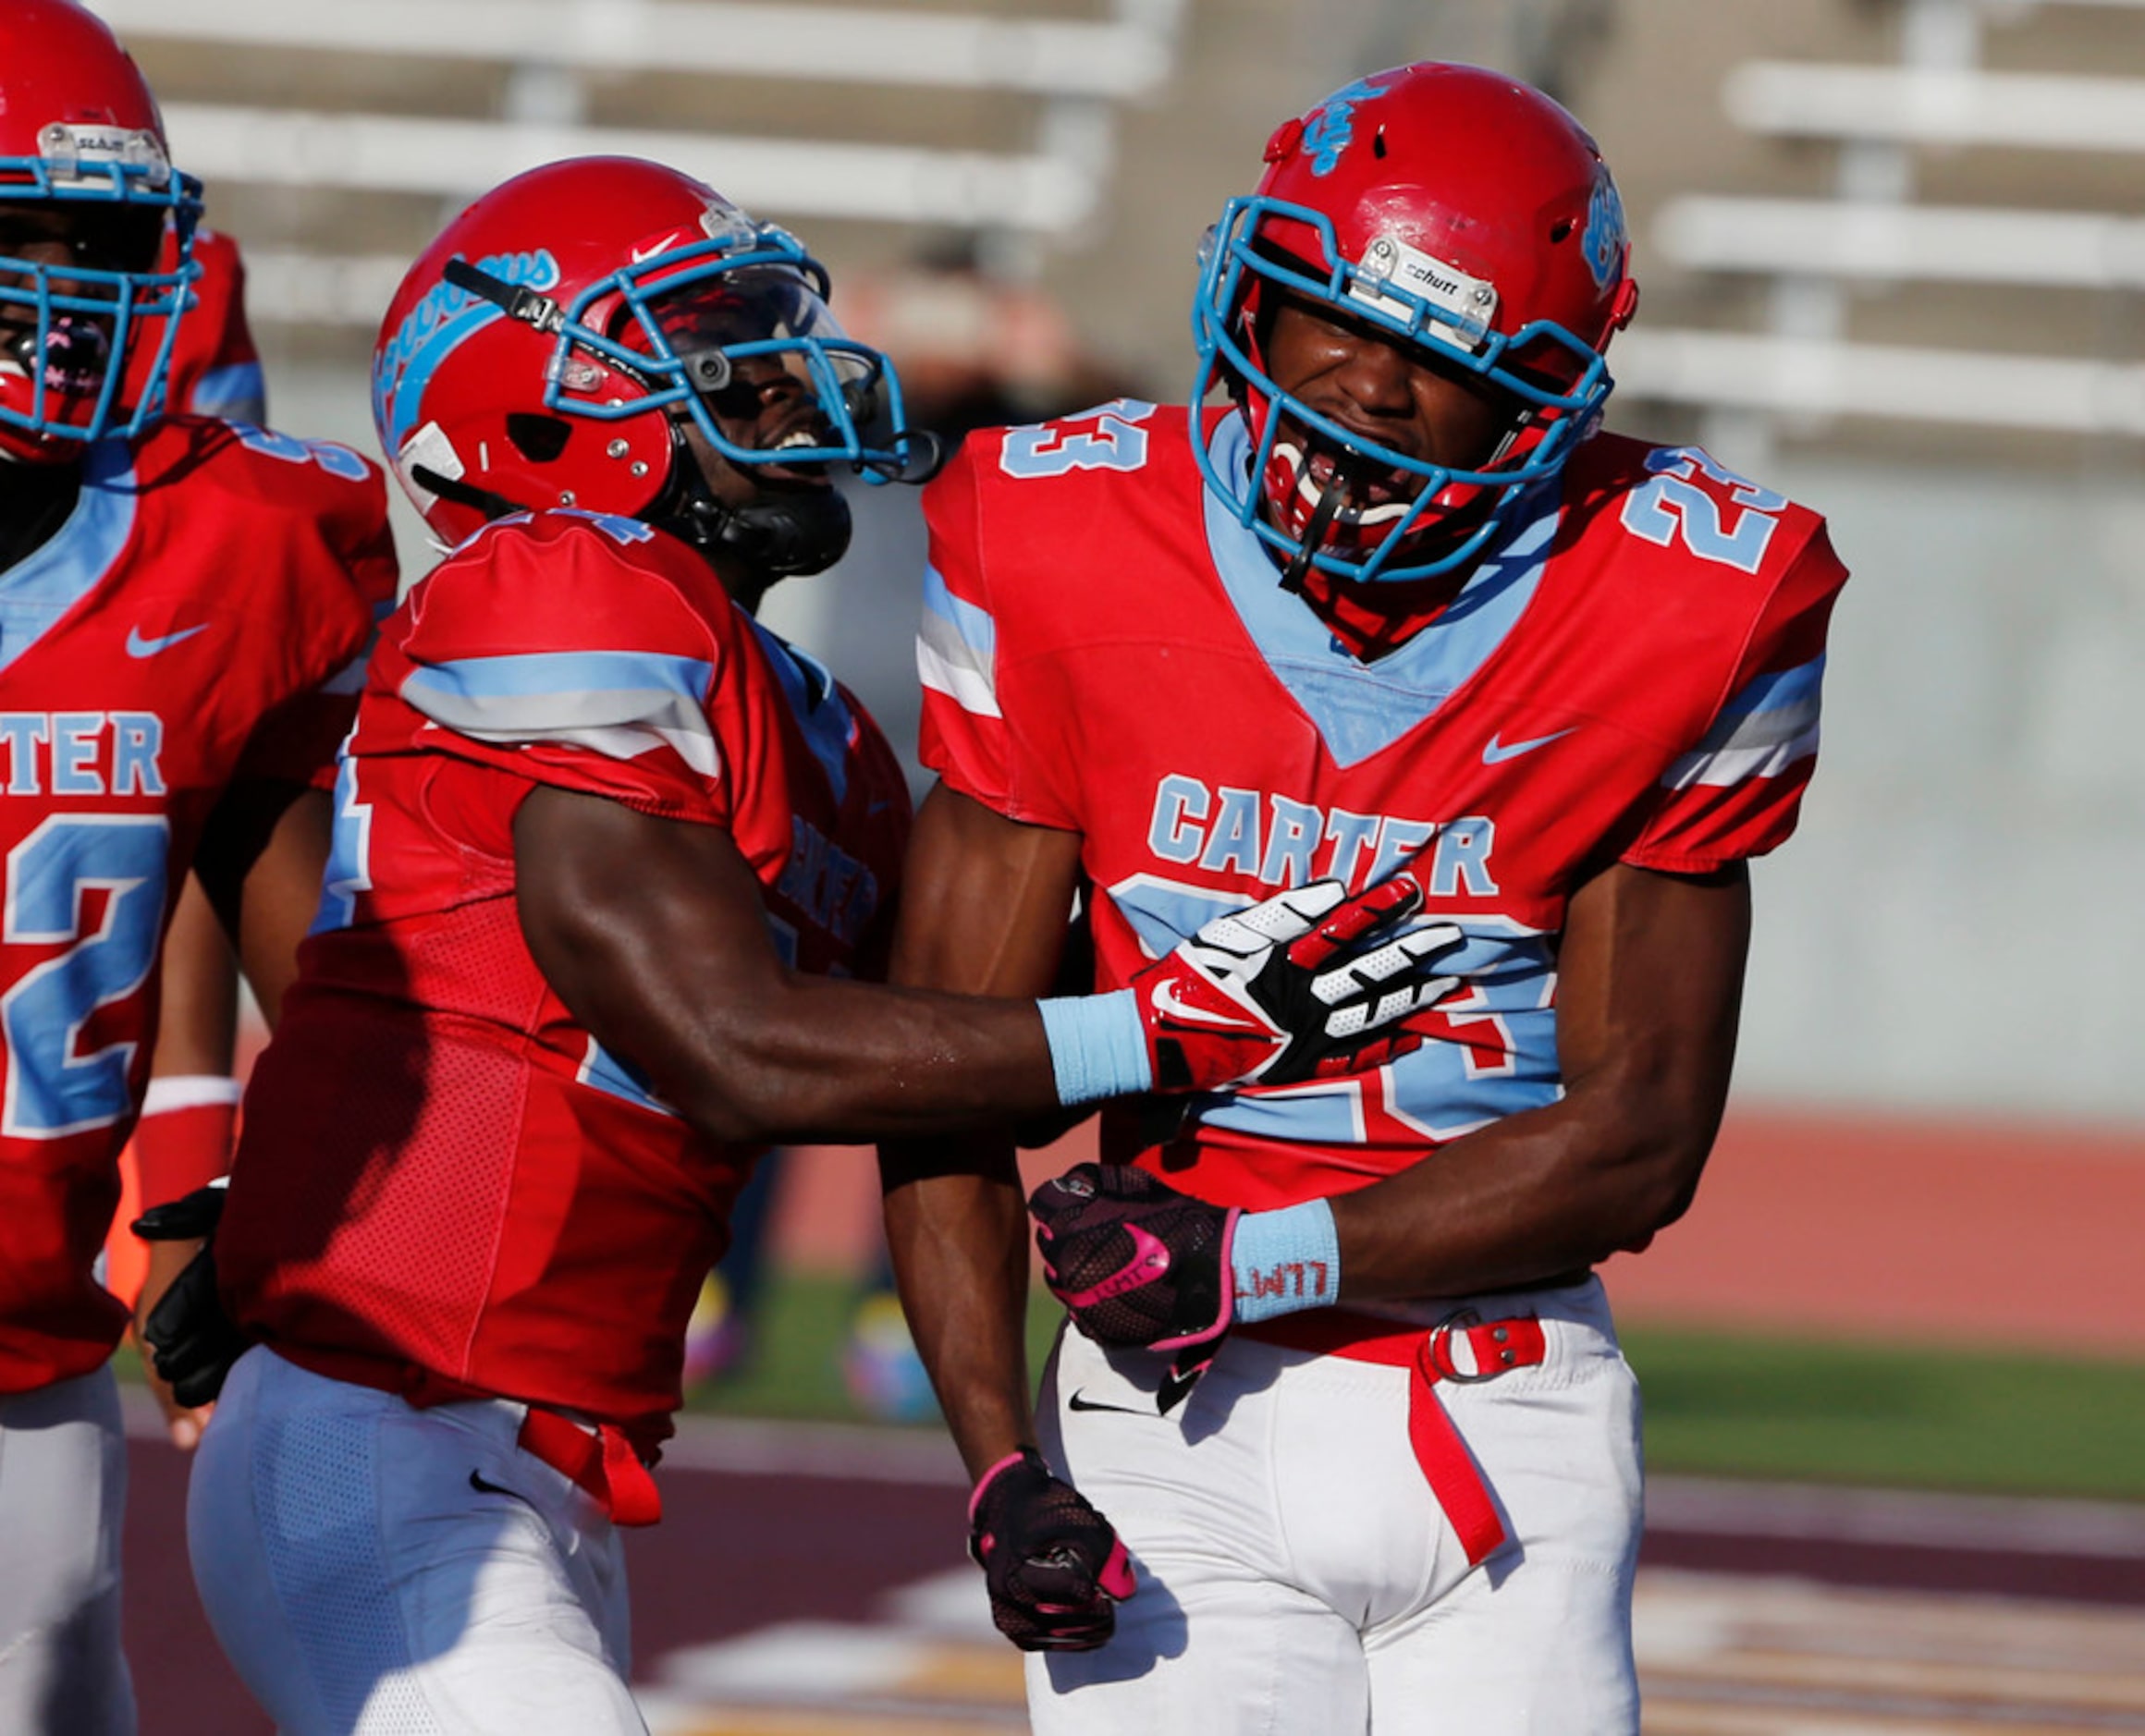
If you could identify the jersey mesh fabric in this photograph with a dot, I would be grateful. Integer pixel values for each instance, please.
(318, 1509)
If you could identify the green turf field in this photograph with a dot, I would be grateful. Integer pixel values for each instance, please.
(1715, 1404)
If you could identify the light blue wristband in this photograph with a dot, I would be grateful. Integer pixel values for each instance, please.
(1285, 1261)
(1098, 1049)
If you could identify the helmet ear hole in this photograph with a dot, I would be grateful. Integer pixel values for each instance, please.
(540, 439)
(1560, 230)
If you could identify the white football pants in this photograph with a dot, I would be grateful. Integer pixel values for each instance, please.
(63, 1489)
(378, 1570)
(1295, 1572)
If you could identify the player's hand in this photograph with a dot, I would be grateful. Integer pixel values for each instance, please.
(1055, 1569)
(1304, 984)
(167, 1261)
(1139, 1265)
(194, 1342)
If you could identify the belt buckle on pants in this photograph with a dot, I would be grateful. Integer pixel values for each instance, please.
(599, 1460)
(1498, 1347)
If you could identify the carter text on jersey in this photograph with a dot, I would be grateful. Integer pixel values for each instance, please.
(1284, 842)
(82, 753)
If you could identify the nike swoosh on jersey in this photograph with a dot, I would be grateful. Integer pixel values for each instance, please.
(1166, 1001)
(1496, 752)
(1077, 1402)
(139, 646)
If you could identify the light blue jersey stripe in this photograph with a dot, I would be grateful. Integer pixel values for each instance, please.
(1763, 731)
(972, 626)
(621, 704)
(565, 672)
(238, 392)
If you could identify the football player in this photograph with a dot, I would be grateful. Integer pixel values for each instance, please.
(1396, 597)
(173, 595)
(605, 851)
(190, 1111)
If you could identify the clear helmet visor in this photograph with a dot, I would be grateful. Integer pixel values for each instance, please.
(756, 338)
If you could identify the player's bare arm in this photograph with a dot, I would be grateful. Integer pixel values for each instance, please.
(1650, 987)
(196, 1037)
(983, 913)
(259, 863)
(653, 931)
(197, 1031)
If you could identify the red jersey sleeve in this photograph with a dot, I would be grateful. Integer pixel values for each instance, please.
(1736, 791)
(216, 370)
(339, 579)
(574, 651)
(972, 732)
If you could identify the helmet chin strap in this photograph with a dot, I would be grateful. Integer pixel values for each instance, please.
(778, 535)
(1330, 499)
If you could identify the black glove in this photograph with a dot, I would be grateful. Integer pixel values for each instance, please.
(1055, 1570)
(1138, 1263)
(193, 1340)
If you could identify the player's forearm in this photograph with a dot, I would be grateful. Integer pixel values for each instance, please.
(1529, 1198)
(960, 1248)
(819, 1058)
(1650, 983)
(282, 893)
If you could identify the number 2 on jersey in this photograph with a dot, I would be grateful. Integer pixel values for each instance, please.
(1674, 505)
(55, 1087)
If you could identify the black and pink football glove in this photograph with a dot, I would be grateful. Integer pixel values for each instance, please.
(1139, 1265)
(1293, 988)
(1055, 1570)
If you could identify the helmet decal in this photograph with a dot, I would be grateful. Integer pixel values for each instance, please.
(443, 321)
(1605, 240)
(1331, 129)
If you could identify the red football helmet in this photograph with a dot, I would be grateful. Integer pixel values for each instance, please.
(1465, 214)
(85, 189)
(553, 345)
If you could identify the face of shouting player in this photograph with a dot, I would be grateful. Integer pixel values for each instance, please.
(76, 352)
(1392, 394)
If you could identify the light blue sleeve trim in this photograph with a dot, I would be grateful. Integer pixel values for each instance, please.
(1285, 1261)
(1097, 1045)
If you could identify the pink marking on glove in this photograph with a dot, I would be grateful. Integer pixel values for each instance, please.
(985, 1481)
(1116, 1579)
(1149, 1263)
(1208, 1335)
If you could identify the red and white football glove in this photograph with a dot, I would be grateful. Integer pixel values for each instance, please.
(1293, 988)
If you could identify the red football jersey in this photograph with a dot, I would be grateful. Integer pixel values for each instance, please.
(172, 638)
(441, 1170)
(1632, 676)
